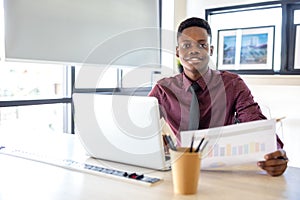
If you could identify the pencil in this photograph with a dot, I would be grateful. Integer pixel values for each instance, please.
(192, 143)
(198, 147)
(204, 145)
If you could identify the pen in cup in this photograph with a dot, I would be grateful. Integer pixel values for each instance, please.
(192, 143)
(203, 146)
(198, 147)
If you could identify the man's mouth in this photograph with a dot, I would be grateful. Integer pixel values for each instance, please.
(193, 60)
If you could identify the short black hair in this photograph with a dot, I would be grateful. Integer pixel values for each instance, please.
(194, 21)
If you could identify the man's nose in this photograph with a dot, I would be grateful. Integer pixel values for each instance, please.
(194, 51)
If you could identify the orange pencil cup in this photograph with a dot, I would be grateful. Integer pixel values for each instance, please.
(185, 170)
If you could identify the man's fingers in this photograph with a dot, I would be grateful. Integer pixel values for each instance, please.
(273, 162)
(274, 170)
(280, 153)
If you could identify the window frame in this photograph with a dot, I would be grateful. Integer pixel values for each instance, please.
(289, 39)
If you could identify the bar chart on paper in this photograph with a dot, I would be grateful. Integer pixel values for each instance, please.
(230, 150)
(235, 144)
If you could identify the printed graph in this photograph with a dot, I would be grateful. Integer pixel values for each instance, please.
(232, 150)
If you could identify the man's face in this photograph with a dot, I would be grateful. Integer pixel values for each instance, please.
(194, 50)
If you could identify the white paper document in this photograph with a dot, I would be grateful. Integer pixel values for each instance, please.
(234, 144)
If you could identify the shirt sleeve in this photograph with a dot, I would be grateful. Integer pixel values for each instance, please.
(157, 92)
(246, 108)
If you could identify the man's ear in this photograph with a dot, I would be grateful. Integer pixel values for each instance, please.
(211, 50)
(177, 51)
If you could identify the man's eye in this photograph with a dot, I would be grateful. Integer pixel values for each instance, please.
(186, 45)
(204, 46)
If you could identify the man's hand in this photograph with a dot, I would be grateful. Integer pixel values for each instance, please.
(275, 163)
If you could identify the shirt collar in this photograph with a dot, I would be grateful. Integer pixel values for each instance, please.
(202, 81)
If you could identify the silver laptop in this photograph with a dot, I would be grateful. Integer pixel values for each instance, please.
(121, 128)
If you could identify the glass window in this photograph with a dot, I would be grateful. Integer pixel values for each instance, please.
(297, 49)
(35, 118)
(96, 77)
(297, 17)
(21, 82)
(137, 77)
(32, 81)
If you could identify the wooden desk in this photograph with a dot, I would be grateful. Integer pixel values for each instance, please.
(25, 179)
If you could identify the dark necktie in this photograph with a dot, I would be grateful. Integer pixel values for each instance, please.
(194, 107)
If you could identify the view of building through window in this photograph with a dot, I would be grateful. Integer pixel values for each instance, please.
(24, 81)
(34, 118)
(31, 81)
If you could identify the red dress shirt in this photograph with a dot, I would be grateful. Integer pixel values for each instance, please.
(223, 98)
